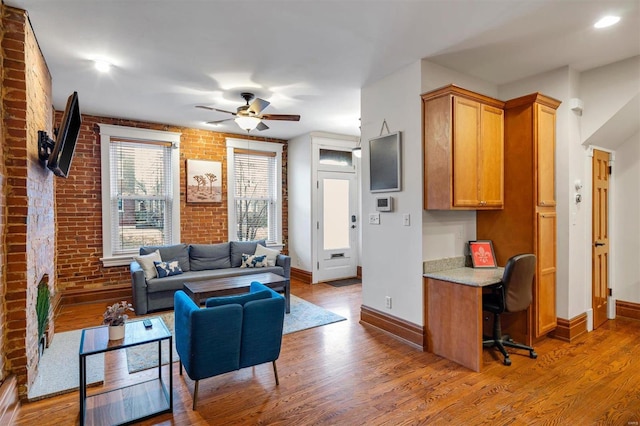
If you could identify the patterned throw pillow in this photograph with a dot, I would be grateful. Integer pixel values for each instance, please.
(253, 261)
(167, 269)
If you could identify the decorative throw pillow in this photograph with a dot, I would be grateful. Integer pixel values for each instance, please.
(146, 262)
(253, 261)
(270, 253)
(167, 269)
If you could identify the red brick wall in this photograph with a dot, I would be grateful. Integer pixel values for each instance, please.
(3, 216)
(29, 236)
(79, 207)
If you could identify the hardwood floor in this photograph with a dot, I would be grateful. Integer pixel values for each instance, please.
(348, 374)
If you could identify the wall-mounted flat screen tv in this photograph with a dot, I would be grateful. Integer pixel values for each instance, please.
(60, 159)
(61, 154)
(385, 163)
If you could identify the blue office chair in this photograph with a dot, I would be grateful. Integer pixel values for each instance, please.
(514, 293)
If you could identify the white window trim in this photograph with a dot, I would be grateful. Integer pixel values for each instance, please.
(108, 131)
(233, 143)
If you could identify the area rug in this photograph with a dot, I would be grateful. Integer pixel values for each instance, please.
(344, 282)
(58, 370)
(303, 315)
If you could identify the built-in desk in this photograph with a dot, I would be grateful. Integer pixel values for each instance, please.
(453, 313)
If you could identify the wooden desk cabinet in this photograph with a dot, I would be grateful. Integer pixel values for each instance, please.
(463, 137)
(453, 313)
(527, 224)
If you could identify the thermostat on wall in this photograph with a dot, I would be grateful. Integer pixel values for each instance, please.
(384, 204)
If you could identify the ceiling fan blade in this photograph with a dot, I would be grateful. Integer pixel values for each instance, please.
(257, 106)
(282, 117)
(262, 126)
(215, 109)
(219, 121)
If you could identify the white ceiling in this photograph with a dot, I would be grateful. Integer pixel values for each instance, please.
(305, 57)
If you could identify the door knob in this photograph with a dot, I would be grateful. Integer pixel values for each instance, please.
(598, 244)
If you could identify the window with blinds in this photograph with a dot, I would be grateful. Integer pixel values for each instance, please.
(255, 195)
(141, 195)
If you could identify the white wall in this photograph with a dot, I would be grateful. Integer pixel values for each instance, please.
(391, 252)
(625, 229)
(300, 203)
(605, 90)
(608, 94)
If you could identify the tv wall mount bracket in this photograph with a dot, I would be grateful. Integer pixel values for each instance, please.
(45, 145)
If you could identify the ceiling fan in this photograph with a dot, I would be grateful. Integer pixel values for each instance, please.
(249, 116)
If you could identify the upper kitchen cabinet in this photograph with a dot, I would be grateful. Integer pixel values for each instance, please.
(463, 138)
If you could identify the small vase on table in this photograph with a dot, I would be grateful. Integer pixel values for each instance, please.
(116, 332)
(115, 317)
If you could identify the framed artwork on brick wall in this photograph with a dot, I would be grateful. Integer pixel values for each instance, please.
(204, 181)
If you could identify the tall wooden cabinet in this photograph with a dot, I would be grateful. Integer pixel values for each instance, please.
(463, 150)
(527, 223)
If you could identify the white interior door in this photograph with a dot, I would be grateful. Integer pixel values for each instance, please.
(337, 226)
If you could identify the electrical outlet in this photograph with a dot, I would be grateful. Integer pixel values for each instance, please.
(374, 218)
(388, 302)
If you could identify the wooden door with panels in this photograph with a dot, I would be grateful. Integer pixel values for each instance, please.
(600, 236)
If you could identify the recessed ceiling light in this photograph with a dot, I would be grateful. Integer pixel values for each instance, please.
(102, 66)
(607, 21)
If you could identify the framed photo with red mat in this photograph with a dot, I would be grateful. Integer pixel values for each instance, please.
(482, 255)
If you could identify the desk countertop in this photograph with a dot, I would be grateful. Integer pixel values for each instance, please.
(469, 276)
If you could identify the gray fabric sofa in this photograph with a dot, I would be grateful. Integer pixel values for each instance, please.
(198, 262)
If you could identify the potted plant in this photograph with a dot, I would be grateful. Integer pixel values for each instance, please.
(115, 317)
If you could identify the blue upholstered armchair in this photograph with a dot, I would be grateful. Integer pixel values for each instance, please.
(229, 333)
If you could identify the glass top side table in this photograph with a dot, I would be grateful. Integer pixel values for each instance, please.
(130, 403)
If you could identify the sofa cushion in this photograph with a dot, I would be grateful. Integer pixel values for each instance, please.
(240, 247)
(209, 256)
(253, 261)
(146, 262)
(179, 252)
(167, 269)
(239, 299)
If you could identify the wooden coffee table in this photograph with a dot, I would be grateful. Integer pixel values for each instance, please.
(199, 291)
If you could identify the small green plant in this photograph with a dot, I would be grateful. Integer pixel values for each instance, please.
(42, 307)
(116, 314)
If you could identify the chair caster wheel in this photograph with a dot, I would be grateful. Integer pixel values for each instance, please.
(507, 361)
(533, 354)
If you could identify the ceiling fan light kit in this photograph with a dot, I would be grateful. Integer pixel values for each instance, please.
(247, 123)
(248, 117)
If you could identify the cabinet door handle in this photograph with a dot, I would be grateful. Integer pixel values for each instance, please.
(598, 244)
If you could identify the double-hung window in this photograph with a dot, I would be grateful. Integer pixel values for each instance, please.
(140, 190)
(254, 174)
